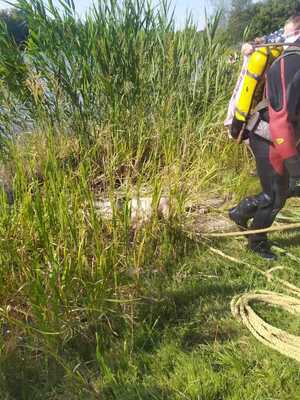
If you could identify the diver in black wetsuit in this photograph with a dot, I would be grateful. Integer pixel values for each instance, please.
(278, 161)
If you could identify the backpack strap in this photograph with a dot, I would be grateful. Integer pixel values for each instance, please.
(261, 105)
(291, 50)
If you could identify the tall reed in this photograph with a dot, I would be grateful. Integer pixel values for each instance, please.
(119, 103)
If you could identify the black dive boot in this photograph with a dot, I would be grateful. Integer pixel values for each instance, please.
(260, 245)
(245, 210)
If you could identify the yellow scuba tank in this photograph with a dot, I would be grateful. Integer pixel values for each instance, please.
(258, 61)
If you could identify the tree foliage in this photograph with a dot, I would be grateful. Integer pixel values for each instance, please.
(271, 15)
(15, 24)
(258, 18)
(239, 14)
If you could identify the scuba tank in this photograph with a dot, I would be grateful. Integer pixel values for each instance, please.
(252, 85)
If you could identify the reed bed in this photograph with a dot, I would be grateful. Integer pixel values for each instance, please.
(116, 105)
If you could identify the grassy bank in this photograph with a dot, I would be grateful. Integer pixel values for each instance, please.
(118, 106)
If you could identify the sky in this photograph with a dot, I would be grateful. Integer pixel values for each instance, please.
(181, 6)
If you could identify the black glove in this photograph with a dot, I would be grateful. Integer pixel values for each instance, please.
(236, 128)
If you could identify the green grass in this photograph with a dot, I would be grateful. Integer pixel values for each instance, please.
(90, 308)
(176, 339)
(196, 350)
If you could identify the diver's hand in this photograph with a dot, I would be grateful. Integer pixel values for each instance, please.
(247, 49)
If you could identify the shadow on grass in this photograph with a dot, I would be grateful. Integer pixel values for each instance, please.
(288, 242)
(136, 391)
(192, 314)
(24, 378)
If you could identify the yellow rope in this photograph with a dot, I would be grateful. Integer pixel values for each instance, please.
(275, 338)
(281, 228)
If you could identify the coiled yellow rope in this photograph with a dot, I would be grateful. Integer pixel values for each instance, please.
(275, 338)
